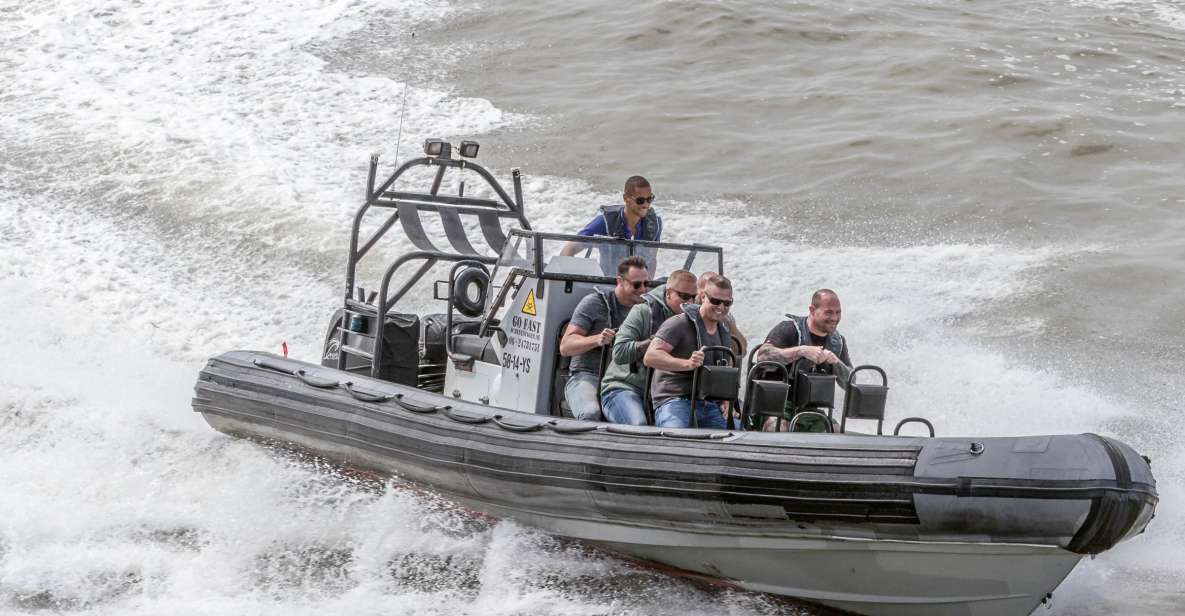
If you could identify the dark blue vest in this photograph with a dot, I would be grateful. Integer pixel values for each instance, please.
(614, 216)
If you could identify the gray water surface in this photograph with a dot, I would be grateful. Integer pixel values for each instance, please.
(994, 189)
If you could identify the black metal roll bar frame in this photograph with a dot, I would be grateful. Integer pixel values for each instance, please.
(536, 267)
(407, 206)
(382, 197)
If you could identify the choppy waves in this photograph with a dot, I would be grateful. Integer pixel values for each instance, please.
(178, 181)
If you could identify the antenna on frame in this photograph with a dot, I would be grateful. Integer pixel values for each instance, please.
(402, 111)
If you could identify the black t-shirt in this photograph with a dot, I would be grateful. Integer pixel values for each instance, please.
(785, 335)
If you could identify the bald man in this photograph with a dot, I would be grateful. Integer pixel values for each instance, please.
(814, 338)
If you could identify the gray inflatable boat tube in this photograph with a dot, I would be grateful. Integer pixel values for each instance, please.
(727, 503)
(1084, 493)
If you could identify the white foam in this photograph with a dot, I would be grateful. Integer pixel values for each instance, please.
(131, 283)
(233, 92)
(1167, 12)
(118, 499)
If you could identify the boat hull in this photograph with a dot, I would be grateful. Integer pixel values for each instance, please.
(854, 522)
(882, 578)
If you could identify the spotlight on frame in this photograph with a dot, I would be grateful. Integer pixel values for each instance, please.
(469, 149)
(437, 147)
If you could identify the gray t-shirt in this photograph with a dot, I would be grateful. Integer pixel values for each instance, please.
(679, 332)
(592, 315)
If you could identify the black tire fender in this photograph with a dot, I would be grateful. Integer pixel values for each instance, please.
(463, 301)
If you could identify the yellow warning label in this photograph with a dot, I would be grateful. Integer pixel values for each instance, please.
(529, 305)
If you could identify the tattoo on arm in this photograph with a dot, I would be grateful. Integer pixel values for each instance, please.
(842, 372)
(768, 352)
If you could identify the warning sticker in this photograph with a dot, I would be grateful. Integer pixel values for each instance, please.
(529, 304)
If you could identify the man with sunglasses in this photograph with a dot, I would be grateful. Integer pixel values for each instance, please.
(592, 327)
(677, 351)
(740, 342)
(624, 384)
(633, 219)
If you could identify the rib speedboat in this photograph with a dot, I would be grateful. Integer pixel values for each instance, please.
(467, 401)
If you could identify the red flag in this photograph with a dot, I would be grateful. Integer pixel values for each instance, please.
(284, 345)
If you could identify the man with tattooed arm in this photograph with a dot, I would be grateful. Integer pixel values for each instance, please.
(813, 338)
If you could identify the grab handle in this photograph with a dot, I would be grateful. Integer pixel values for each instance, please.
(415, 408)
(314, 381)
(909, 420)
(365, 396)
(826, 419)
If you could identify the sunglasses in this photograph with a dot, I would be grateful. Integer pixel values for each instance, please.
(687, 297)
(636, 284)
(641, 200)
(716, 301)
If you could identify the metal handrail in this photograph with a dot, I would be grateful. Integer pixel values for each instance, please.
(384, 305)
(538, 236)
(827, 418)
(851, 380)
(535, 266)
(749, 380)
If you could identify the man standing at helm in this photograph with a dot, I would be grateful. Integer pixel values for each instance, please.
(632, 219)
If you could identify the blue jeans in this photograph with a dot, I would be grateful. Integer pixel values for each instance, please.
(624, 406)
(582, 397)
(676, 413)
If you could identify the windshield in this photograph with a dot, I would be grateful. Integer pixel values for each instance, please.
(554, 255)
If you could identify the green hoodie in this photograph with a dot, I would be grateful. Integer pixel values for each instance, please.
(625, 370)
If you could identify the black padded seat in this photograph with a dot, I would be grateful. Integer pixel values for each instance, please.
(476, 347)
(434, 335)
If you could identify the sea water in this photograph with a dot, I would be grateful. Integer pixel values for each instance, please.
(994, 189)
